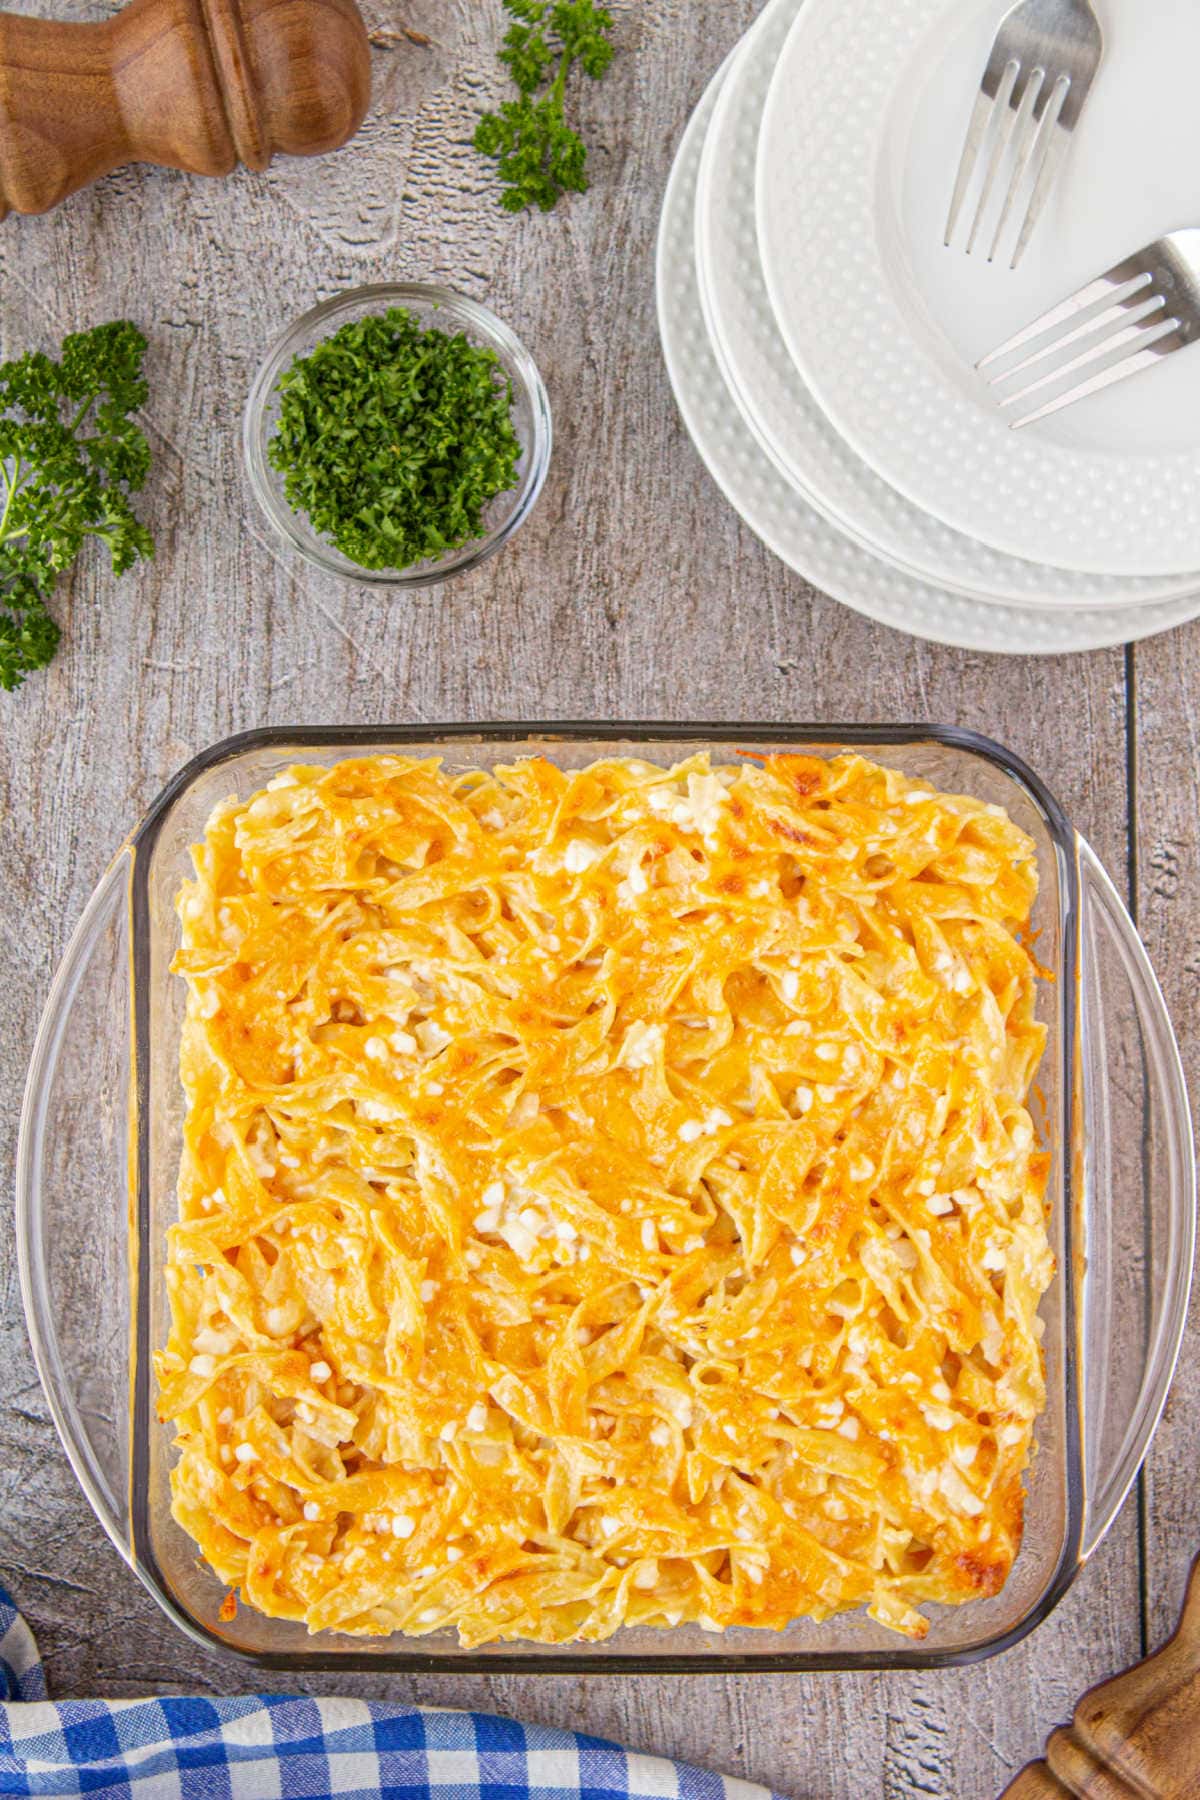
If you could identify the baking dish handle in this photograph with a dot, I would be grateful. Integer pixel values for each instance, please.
(74, 1139)
(1135, 1169)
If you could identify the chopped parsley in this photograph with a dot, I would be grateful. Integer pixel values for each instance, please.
(538, 155)
(394, 438)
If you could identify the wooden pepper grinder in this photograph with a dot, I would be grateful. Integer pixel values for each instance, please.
(1136, 1737)
(190, 84)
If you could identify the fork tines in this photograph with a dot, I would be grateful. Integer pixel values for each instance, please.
(1039, 73)
(1017, 135)
(1140, 311)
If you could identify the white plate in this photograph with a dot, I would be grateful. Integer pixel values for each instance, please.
(860, 140)
(779, 407)
(793, 530)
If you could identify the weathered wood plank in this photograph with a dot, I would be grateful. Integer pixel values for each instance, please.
(632, 592)
(1168, 864)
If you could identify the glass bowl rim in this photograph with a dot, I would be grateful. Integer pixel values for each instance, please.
(487, 328)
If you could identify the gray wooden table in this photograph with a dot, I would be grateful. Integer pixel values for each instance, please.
(633, 592)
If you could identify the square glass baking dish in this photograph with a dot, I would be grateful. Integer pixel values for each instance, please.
(99, 1152)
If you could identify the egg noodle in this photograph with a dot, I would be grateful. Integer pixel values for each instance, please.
(608, 1197)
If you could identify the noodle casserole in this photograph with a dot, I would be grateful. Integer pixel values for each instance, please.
(608, 1197)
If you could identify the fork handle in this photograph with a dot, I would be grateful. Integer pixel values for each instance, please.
(189, 84)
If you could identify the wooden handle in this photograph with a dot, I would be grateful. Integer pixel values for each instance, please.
(1136, 1737)
(189, 84)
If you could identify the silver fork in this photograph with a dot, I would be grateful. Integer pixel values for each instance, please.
(1141, 310)
(1037, 79)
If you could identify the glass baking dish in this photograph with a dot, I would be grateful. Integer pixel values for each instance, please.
(99, 1151)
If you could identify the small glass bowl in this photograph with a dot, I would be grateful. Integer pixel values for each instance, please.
(432, 306)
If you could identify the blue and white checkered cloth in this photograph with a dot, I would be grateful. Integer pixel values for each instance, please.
(276, 1747)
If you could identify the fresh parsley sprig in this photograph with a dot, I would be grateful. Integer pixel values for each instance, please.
(70, 455)
(539, 156)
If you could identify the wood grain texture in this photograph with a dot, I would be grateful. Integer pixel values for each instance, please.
(1166, 705)
(1133, 1736)
(186, 84)
(632, 592)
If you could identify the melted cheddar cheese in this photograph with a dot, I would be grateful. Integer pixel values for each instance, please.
(608, 1197)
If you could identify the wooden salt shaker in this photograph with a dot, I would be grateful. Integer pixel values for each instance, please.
(189, 84)
(1136, 1737)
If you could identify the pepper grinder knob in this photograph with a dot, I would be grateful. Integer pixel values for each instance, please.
(1136, 1737)
(199, 85)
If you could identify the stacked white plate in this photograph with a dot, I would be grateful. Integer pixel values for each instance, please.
(822, 341)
